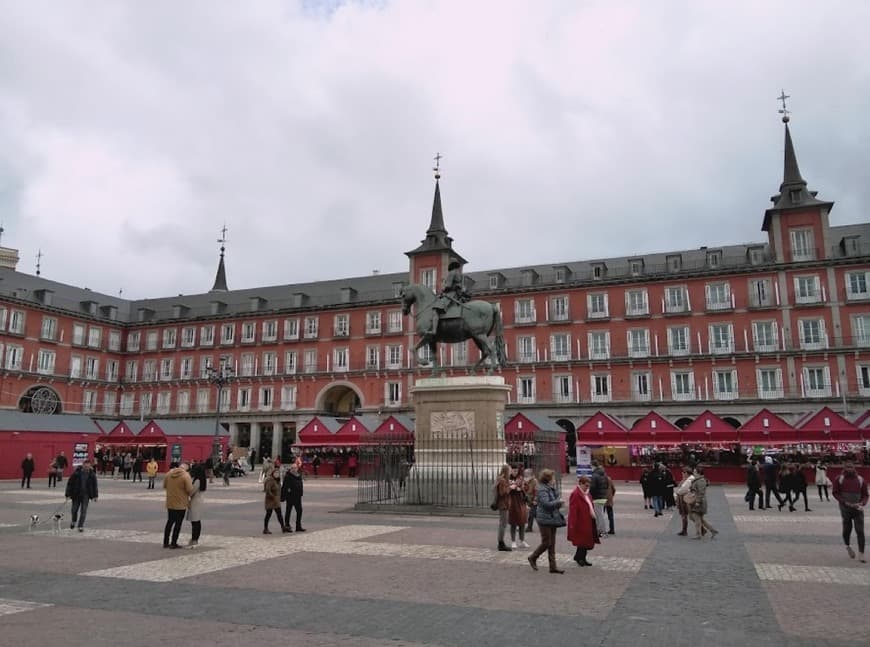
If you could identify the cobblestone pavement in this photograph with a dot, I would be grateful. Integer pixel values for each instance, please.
(769, 578)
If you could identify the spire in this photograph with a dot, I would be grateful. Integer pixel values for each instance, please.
(220, 279)
(436, 224)
(437, 239)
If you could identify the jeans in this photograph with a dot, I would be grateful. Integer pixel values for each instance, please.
(752, 494)
(823, 488)
(609, 510)
(502, 525)
(151, 482)
(547, 545)
(173, 525)
(701, 524)
(533, 514)
(293, 504)
(852, 517)
(195, 530)
(25, 478)
(79, 511)
(52, 479)
(768, 490)
(658, 504)
(600, 516)
(522, 529)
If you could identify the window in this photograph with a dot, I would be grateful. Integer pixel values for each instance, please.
(75, 364)
(92, 368)
(640, 386)
(756, 255)
(812, 334)
(186, 369)
(228, 333)
(3, 315)
(769, 383)
(309, 360)
(596, 305)
(126, 404)
(524, 311)
(188, 337)
(373, 322)
(89, 403)
(49, 329)
(290, 362)
(527, 277)
(682, 385)
(243, 399)
(678, 340)
(802, 245)
(601, 388)
(16, 322)
(149, 370)
(559, 308)
(131, 370)
(493, 281)
(291, 329)
(204, 364)
(856, 285)
(638, 342)
(373, 357)
(817, 382)
(599, 271)
(398, 286)
(562, 389)
(95, 336)
(764, 337)
(424, 355)
(265, 398)
(526, 390)
(674, 262)
(861, 330)
(340, 360)
(459, 354)
(270, 363)
(863, 379)
(206, 336)
(249, 332)
(145, 404)
(714, 259)
(109, 403)
(394, 356)
(525, 349)
(112, 370)
(288, 397)
(151, 340)
(725, 385)
(560, 347)
(718, 295)
(393, 394)
(311, 327)
(721, 339)
(636, 267)
(270, 330)
(14, 356)
(341, 325)
(394, 321)
(163, 401)
(132, 340)
(560, 275)
(760, 293)
(599, 345)
(807, 289)
(636, 303)
(45, 362)
(182, 402)
(78, 336)
(166, 368)
(247, 365)
(676, 299)
(169, 335)
(202, 400)
(427, 278)
(114, 340)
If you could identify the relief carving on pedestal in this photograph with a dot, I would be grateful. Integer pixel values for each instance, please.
(452, 425)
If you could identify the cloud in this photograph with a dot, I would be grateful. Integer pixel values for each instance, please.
(130, 132)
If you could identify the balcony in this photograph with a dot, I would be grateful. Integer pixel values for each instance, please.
(563, 398)
(525, 319)
(597, 315)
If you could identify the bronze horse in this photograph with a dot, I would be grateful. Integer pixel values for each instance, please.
(477, 321)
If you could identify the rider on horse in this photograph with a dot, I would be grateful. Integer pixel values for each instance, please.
(453, 292)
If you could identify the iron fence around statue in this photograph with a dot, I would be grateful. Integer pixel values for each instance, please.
(451, 474)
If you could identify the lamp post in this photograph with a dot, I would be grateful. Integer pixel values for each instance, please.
(220, 377)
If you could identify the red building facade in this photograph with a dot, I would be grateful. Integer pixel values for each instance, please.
(782, 324)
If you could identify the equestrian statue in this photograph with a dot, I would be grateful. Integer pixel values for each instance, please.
(451, 317)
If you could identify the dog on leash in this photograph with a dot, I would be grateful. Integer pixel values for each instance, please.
(56, 518)
(34, 521)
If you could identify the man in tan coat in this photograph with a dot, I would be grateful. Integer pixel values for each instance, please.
(179, 487)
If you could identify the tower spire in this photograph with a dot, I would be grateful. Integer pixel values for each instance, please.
(220, 279)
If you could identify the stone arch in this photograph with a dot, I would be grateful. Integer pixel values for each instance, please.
(40, 399)
(339, 398)
(683, 422)
(734, 422)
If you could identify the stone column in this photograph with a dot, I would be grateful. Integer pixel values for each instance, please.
(234, 434)
(255, 441)
(276, 440)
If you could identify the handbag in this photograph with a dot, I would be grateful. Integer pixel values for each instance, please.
(559, 518)
(690, 497)
(494, 505)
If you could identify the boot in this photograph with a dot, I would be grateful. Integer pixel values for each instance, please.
(266, 531)
(685, 529)
(504, 547)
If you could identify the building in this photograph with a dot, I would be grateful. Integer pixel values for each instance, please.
(783, 324)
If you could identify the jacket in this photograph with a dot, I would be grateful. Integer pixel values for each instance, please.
(179, 487)
(152, 468)
(197, 503)
(503, 489)
(28, 466)
(518, 512)
(292, 487)
(74, 485)
(821, 475)
(753, 478)
(699, 487)
(273, 493)
(582, 529)
(548, 506)
(611, 492)
(598, 484)
(850, 489)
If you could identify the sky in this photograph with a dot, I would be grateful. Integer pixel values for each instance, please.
(131, 132)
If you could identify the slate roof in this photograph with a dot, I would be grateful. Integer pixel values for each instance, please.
(73, 424)
(181, 427)
(543, 423)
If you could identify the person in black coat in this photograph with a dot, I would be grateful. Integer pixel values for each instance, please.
(27, 469)
(799, 485)
(669, 484)
(786, 480)
(753, 485)
(291, 494)
(656, 482)
(770, 469)
(81, 487)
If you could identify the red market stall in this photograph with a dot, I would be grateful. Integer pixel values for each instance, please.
(766, 429)
(324, 441)
(396, 428)
(180, 439)
(519, 433)
(827, 426)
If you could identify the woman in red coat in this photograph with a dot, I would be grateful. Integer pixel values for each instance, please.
(582, 530)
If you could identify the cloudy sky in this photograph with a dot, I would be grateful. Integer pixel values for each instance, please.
(130, 132)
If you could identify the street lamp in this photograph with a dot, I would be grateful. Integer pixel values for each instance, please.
(220, 377)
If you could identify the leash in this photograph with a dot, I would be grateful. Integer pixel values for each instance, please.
(51, 516)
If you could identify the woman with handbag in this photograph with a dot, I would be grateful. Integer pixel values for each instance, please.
(582, 528)
(501, 502)
(518, 511)
(549, 520)
(696, 499)
(822, 481)
(681, 492)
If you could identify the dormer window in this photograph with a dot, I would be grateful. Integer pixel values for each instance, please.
(218, 307)
(179, 311)
(599, 271)
(90, 307)
(851, 245)
(714, 259)
(636, 266)
(795, 196)
(144, 314)
(110, 312)
(529, 277)
(257, 304)
(675, 262)
(298, 299)
(755, 255)
(398, 286)
(347, 295)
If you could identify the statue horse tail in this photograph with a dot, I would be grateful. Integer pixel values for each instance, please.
(498, 330)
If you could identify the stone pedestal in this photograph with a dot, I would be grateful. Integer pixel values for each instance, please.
(459, 441)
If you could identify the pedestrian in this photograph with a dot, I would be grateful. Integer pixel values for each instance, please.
(799, 485)
(81, 487)
(501, 501)
(668, 480)
(291, 493)
(785, 487)
(315, 464)
(582, 530)
(753, 486)
(272, 488)
(117, 465)
(52, 473)
(179, 487)
(608, 507)
(850, 490)
(336, 467)
(681, 491)
(197, 502)
(598, 491)
(352, 462)
(549, 519)
(518, 511)
(128, 466)
(252, 457)
(645, 487)
(697, 502)
(27, 469)
(531, 486)
(657, 489)
(227, 469)
(770, 482)
(822, 481)
(61, 462)
(137, 468)
(151, 470)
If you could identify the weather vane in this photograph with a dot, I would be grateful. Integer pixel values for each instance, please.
(437, 168)
(784, 111)
(223, 239)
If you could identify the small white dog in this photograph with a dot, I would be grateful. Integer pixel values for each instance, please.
(55, 522)
(34, 521)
